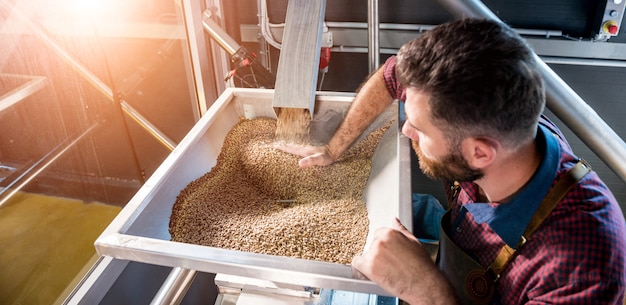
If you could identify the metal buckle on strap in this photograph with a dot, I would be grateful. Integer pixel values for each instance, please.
(492, 275)
(585, 163)
(522, 241)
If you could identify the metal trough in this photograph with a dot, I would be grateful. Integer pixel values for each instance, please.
(140, 232)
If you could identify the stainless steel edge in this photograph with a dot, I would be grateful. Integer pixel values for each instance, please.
(140, 231)
(215, 260)
(94, 286)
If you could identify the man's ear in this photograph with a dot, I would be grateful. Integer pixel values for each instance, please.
(479, 152)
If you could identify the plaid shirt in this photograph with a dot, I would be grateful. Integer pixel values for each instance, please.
(578, 254)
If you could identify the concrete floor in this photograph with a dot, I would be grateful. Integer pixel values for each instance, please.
(47, 246)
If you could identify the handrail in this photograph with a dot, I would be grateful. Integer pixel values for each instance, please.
(175, 287)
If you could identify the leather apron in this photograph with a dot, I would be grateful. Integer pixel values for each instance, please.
(475, 284)
(471, 282)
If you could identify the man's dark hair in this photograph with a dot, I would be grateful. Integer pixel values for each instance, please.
(481, 77)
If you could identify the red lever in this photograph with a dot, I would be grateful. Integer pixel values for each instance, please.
(324, 58)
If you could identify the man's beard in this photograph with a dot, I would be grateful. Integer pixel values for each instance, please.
(452, 167)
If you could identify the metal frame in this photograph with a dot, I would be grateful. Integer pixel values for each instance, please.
(219, 57)
(96, 82)
(203, 69)
(101, 276)
(40, 165)
(373, 29)
(32, 84)
(353, 37)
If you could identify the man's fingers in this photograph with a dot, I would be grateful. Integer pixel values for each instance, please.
(357, 264)
(312, 160)
(400, 227)
(306, 162)
(290, 149)
(357, 261)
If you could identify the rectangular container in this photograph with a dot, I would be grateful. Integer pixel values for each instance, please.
(140, 232)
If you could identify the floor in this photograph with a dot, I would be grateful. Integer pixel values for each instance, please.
(47, 246)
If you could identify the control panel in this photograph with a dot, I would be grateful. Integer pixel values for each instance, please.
(611, 19)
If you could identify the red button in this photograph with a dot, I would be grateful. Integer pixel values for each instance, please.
(612, 29)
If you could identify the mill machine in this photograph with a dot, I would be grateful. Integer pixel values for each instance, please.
(139, 234)
(138, 241)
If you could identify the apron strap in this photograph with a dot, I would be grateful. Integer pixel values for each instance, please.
(548, 204)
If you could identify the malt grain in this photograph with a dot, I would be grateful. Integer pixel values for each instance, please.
(257, 199)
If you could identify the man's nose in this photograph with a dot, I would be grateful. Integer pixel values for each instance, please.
(407, 131)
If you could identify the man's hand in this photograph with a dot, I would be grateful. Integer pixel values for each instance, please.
(312, 155)
(398, 263)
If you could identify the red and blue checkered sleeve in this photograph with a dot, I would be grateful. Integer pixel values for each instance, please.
(391, 81)
(581, 258)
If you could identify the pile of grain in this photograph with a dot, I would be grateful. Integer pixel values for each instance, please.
(257, 199)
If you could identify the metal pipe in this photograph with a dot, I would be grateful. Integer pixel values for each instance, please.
(584, 61)
(342, 49)
(426, 27)
(468, 9)
(266, 31)
(220, 36)
(264, 48)
(563, 101)
(372, 34)
(34, 170)
(546, 59)
(175, 287)
(34, 84)
(147, 125)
